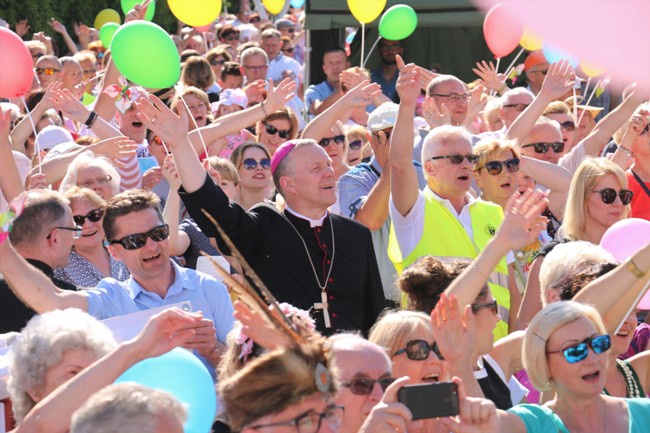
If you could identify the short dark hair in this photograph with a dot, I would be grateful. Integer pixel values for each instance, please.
(230, 68)
(127, 202)
(43, 210)
(227, 30)
(576, 282)
(335, 49)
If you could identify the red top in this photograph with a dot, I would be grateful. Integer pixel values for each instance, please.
(641, 200)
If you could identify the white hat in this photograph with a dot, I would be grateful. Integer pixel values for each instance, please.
(383, 117)
(52, 136)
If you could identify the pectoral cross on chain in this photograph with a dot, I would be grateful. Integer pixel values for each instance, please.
(322, 305)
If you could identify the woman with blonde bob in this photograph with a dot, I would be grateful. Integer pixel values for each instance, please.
(565, 351)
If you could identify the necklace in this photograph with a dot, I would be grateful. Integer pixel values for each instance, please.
(322, 305)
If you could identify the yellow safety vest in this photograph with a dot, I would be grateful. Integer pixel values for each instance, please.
(444, 236)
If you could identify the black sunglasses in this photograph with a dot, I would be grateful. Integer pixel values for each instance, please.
(608, 195)
(491, 305)
(557, 147)
(365, 386)
(418, 350)
(215, 62)
(338, 139)
(568, 126)
(283, 133)
(496, 167)
(139, 240)
(355, 145)
(458, 159)
(252, 164)
(93, 216)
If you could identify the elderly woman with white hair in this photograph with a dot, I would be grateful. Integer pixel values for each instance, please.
(93, 172)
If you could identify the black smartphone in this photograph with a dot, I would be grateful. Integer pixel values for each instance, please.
(430, 400)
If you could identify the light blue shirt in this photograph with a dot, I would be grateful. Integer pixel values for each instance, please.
(317, 92)
(115, 298)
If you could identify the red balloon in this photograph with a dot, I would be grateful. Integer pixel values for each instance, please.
(16, 67)
(502, 33)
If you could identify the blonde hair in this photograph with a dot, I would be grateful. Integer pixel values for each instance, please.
(197, 72)
(225, 168)
(197, 93)
(76, 193)
(488, 148)
(542, 327)
(394, 329)
(557, 107)
(583, 183)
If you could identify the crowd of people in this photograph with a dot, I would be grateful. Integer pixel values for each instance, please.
(406, 227)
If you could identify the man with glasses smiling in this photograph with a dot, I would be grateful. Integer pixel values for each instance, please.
(137, 236)
(443, 220)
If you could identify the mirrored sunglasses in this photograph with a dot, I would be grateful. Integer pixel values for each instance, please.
(579, 352)
(608, 195)
(92, 216)
(46, 71)
(139, 240)
(418, 350)
(252, 164)
(365, 386)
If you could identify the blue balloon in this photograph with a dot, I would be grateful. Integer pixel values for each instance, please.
(553, 55)
(181, 374)
(297, 3)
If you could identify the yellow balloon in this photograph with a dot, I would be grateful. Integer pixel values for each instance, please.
(366, 11)
(107, 16)
(274, 6)
(195, 13)
(591, 70)
(531, 40)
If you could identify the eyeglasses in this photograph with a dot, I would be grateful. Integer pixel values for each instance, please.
(491, 305)
(608, 195)
(88, 71)
(310, 422)
(232, 37)
(540, 71)
(568, 126)
(355, 145)
(283, 133)
(496, 167)
(139, 240)
(365, 386)
(517, 107)
(338, 139)
(557, 147)
(455, 97)
(215, 62)
(256, 68)
(102, 180)
(76, 231)
(46, 71)
(93, 216)
(418, 350)
(578, 352)
(458, 159)
(252, 164)
(287, 50)
(254, 20)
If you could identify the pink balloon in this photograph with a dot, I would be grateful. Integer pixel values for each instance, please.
(626, 237)
(569, 26)
(16, 67)
(502, 32)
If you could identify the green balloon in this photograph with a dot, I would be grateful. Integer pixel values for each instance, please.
(144, 53)
(398, 22)
(127, 5)
(107, 32)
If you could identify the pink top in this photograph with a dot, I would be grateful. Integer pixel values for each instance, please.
(232, 142)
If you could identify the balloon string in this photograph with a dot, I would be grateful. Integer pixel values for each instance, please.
(196, 127)
(512, 64)
(363, 65)
(496, 71)
(575, 104)
(588, 100)
(363, 42)
(31, 121)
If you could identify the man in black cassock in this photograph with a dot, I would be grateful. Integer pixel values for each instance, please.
(305, 255)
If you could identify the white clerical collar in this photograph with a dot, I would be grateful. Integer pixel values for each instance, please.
(312, 222)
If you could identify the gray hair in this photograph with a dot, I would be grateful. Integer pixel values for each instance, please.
(126, 408)
(252, 51)
(443, 134)
(42, 344)
(517, 91)
(88, 158)
(43, 209)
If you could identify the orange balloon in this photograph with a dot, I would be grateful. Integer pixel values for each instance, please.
(591, 70)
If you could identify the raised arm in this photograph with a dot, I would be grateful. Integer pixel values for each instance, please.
(10, 182)
(559, 80)
(178, 239)
(557, 179)
(23, 129)
(33, 287)
(163, 332)
(359, 96)
(614, 294)
(404, 179)
(60, 29)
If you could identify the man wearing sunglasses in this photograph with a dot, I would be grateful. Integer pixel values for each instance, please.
(137, 235)
(443, 220)
(43, 234)
(536, 68)
(48, 70)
